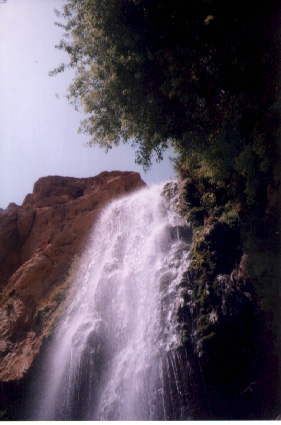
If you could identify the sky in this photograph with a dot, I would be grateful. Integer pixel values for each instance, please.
(38, 131)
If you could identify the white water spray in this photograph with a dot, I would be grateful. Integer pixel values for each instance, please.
(115, 354)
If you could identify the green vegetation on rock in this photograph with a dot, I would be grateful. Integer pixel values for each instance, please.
(233, 306)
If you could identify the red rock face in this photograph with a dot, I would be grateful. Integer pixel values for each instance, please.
(38, 242)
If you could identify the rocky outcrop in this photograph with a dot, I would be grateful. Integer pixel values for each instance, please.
(40, 242)
(230, 314)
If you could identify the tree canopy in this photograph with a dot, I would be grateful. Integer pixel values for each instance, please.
(200, 75)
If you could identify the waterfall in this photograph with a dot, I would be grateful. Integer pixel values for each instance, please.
(116, 355)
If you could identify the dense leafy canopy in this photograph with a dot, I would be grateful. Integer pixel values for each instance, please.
(200, 75)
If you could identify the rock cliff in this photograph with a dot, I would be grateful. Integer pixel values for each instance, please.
(39, 245)
(230, 313)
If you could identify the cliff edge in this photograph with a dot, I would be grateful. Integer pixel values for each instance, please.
(39, 245)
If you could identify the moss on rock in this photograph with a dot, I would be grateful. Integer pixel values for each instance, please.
(227, 303)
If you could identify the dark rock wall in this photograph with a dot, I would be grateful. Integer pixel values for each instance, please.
(231, 311)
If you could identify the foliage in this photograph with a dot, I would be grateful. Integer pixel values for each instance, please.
(199, 75)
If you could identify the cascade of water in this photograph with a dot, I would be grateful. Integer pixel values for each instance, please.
(115, 354)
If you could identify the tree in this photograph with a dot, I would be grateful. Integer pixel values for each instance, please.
(198, 75)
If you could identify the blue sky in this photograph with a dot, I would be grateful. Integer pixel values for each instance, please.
(38, 132)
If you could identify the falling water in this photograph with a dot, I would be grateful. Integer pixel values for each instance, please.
(116, 354)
